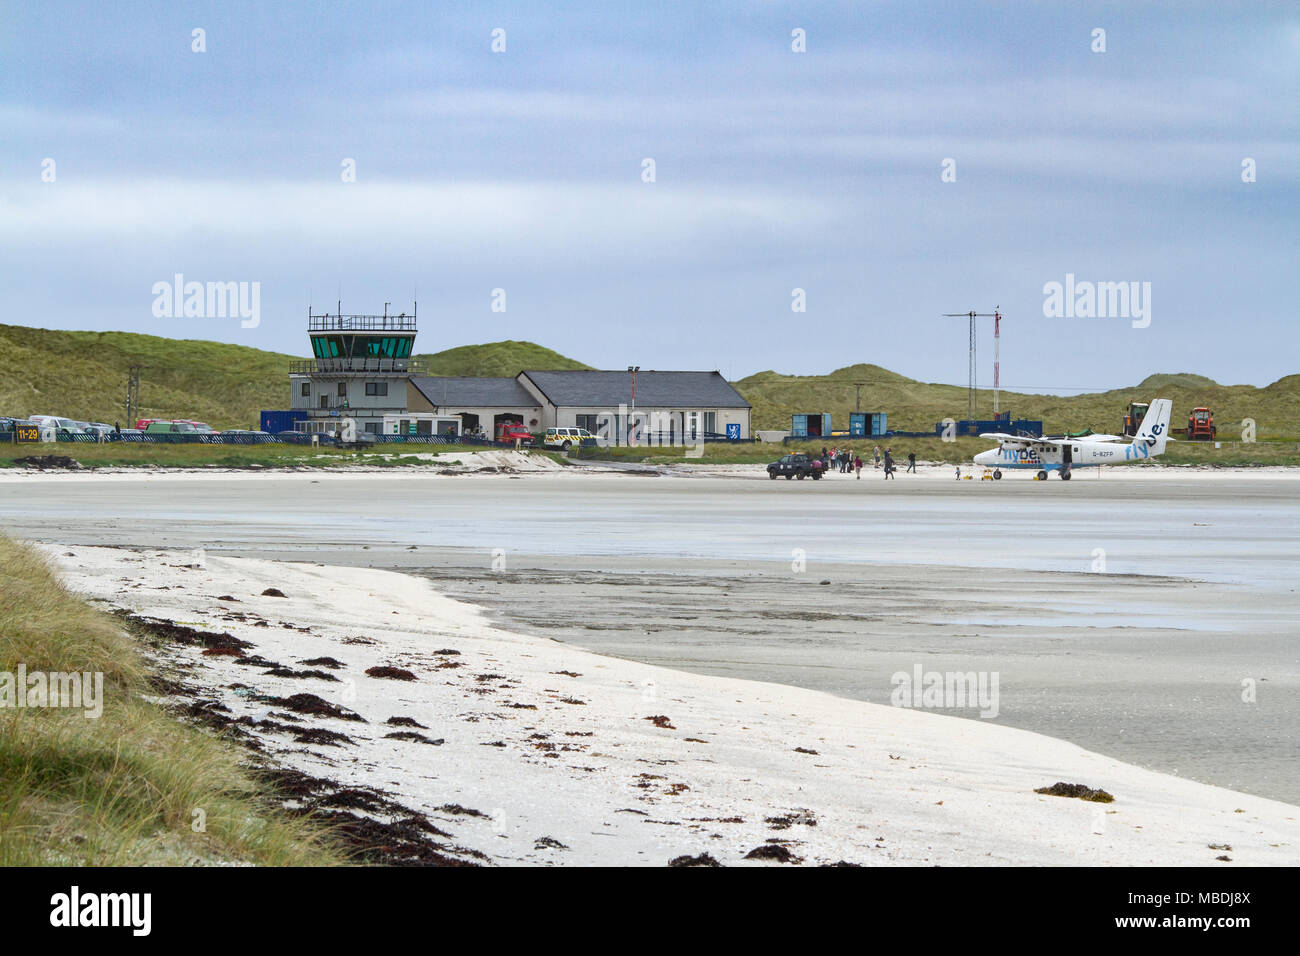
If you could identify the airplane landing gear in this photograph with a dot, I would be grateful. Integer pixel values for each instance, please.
(1042, 475)
(1065, 475)
(997, 474)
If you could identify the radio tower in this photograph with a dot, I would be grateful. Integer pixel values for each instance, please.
(997, 342)
(996, 316)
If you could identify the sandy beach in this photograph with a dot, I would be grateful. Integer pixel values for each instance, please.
(519, 749)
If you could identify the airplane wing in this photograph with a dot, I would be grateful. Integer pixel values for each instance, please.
(1020, 439)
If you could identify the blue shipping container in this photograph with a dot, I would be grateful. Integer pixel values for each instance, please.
(280, 421)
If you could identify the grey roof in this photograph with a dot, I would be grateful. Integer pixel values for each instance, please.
(446, 391)
(587, 388)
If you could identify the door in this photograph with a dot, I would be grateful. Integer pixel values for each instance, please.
(1067, 456)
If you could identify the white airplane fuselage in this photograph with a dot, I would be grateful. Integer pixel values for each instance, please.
(1082, 453)
(1064, 453)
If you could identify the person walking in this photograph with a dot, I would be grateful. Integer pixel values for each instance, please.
(877, 456)
(911, 462)
(857, 466)
(889, 465)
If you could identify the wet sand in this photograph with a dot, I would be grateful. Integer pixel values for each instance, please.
(1132, 682)
(1143, 659)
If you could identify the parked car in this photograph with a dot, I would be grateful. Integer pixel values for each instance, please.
(795, 466)
(510, 433)
(566, 437)
(176, 428)
(52, 426)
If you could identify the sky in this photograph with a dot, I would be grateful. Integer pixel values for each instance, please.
(914, 159)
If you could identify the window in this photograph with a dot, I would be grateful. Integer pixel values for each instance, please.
(589, 422)
(372, 427)
(710, 422)
(306, 389)
(343, 389)
(376, 388)
(324, 401)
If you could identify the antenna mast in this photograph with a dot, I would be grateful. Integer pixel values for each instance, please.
(996, 316)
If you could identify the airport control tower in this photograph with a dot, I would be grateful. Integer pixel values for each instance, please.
(360, 370)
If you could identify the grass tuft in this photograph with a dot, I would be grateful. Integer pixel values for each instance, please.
(131, 786)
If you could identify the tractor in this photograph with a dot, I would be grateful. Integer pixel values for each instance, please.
(1200, 425)
(1133, 420)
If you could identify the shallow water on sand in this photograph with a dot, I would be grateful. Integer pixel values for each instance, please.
(1125, 616)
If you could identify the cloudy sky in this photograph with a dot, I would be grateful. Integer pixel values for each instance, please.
(774, 170)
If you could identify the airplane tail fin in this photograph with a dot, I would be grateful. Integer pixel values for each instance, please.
(1154, 432)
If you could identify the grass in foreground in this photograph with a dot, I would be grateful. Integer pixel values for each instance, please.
(131, 455)
(123, 788)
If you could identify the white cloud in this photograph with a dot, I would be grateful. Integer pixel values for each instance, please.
(558, 217)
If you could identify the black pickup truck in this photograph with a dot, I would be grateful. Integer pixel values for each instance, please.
(795, 466)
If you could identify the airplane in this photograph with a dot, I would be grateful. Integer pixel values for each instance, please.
(1062, 453)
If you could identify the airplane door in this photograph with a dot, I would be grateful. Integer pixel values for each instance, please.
(1067, 456)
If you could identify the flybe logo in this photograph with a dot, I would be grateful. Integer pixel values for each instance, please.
(1025, 455)
(1137, 450)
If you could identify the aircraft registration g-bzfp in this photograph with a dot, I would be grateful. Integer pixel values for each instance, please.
(1061, 454)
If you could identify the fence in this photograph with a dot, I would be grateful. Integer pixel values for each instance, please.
(204, 438)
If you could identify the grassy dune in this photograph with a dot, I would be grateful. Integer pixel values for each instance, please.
(917, 406)
(227, 385)
(123, 788)
(83, 375)
(507, 358)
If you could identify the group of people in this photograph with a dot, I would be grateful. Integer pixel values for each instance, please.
(848, 462)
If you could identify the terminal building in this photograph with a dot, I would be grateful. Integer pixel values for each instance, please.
(663, 407)
(363, 369)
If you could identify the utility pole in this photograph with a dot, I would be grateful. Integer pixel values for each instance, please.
(631, 421)
(133, 393)
(996, 316)
(857, 398)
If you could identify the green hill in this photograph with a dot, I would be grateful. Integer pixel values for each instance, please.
(917, 406)
(227, 385)
(83, 375)
(497, 359)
